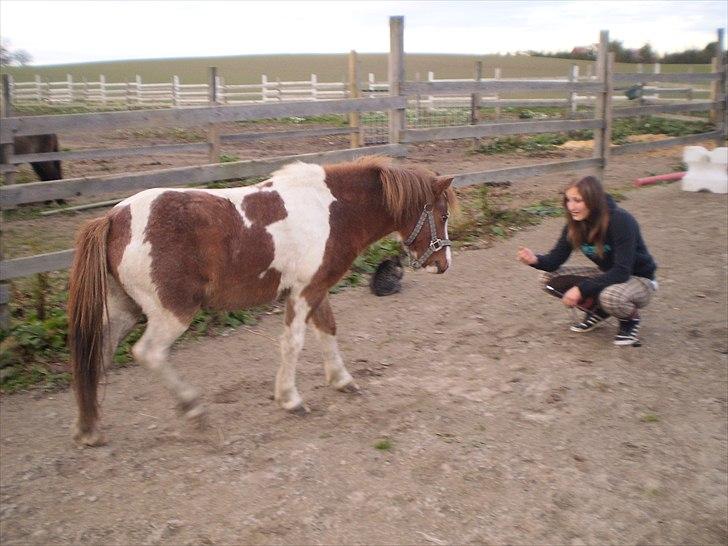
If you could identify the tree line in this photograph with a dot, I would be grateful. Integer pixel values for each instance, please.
(644, 54)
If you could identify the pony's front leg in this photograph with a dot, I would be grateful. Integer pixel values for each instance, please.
(294, 333)
(325, 327)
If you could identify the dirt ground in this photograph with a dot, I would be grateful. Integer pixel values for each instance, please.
(502, 426)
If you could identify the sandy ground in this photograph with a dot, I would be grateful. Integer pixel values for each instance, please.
(503, 426)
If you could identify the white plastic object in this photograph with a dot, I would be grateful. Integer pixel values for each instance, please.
(707, 169)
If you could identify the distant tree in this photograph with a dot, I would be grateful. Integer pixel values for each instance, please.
(690, 56)
(646, 55)
(9, 57)
(616, 47)
(4, 55)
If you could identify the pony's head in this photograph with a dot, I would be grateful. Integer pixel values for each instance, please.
(420, 202)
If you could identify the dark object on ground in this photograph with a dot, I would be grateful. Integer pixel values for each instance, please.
(560, 285)
(386, 280)
(40, 144)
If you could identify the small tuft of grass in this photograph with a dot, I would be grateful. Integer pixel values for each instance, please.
(649, 418)
(384, 445)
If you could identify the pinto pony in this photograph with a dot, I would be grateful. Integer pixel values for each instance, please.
(167, 253)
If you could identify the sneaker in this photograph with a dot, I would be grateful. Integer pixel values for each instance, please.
(628, 330)
(591, 321)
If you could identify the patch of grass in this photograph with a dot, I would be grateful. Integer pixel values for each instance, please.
(384, 445)
(622, 129)
(233, 182)
(523, 144)
(34, 350)
(177, 134)
(649, 418)
(650, 125)
(617, 195)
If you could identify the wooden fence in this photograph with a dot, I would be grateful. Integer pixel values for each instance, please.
(175, 94)
(601, 87)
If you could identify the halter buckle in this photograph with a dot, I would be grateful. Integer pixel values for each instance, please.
(436, 244)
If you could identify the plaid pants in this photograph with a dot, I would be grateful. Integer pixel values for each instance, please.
(619, 300)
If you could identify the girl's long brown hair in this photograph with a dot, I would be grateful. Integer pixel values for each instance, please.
(593, 229)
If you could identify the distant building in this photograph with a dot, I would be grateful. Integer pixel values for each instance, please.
(585, 51)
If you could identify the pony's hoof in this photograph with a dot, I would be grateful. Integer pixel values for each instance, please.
(90, 439)
(350, 388)
(301, 410)
(197, 417)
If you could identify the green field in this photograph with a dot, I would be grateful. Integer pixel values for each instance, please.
(328, 68)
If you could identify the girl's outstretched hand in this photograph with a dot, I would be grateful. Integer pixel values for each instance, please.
(526, 256)
(572, 297)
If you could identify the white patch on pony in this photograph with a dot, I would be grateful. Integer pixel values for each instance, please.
(300, 238)
(448, 252)
(135, 268)
(292, 340)
(336, 374)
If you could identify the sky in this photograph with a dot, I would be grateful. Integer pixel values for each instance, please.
(60, 31)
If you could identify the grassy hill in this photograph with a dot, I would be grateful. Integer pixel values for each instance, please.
(328, 67)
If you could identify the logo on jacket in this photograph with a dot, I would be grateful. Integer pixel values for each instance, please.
(591, 250)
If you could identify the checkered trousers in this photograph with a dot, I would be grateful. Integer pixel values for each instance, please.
(619, 300)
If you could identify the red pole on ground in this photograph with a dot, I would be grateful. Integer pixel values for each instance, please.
(659, 178)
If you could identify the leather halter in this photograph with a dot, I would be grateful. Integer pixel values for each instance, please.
(435, 242)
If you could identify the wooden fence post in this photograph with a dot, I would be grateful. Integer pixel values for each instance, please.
(38, 88)
(497, 76)
(572, 105)
(603, 108)
(475, 100)
(102, 88)
(396, 76)
(475, 97)
(263, 87)
(69, 82)
(717, 87)
(213, 131)
(138, 81)
(354, 117)
(314, 83)
(5, 153)
(430, 98)
(175, 92)
(7, 111)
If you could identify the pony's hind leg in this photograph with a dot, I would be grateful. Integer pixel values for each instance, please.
(294, 333)
(120, 317)
(152, 351)
(325, 327)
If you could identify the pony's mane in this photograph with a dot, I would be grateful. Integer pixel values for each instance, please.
(406, 190)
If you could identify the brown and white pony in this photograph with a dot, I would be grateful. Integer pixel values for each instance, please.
(167, 253)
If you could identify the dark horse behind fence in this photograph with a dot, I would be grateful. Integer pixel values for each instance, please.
(40, 144)
(167, 253)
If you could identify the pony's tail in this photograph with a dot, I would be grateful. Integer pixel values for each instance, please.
(86, 305)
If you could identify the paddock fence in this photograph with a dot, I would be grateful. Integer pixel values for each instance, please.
(402, 129)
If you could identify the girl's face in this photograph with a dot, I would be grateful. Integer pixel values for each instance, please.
(575, 205)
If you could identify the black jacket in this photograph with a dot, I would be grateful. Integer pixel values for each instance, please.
(625, 253)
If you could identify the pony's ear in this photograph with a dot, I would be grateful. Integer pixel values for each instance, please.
(441, 183)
